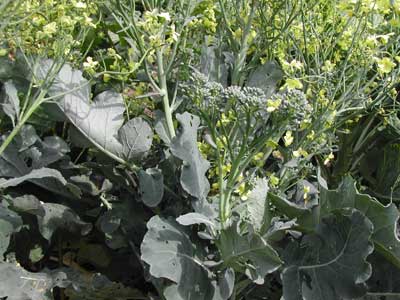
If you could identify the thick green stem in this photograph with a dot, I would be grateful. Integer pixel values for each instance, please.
(163, 85)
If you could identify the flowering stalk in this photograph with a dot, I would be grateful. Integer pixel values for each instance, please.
(244, 46)
(163, 86)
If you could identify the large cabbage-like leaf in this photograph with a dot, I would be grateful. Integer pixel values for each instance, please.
(34, 174)
(184, 147)
(330, 264)
(27, 156)
(257, 206)
(10, 222)
(19, 284)
(51, 216)
(100, 121)
(266, 77)
(248, 253)
(59, 216)
(385, 279)
(384, 218)
(169, 252)
(136, 137)
(151, 186)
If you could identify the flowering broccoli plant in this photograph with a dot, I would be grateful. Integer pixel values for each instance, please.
(199, 150)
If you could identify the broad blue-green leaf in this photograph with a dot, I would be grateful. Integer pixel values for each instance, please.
(195, 218)
(16, 69)
(384, 218)
(161, 127)
(51, 216)
(26, 157)
(184, 147)
(100, 288)
(257, 206)
(151, 186)
(9, 222)
(29, 204)
(98, 121)
(385, 279)
(10, 101)
(330, 264)
(59, 216)
(304, 217)
(266, 77)
(19, 284)
(169, 252)
(136, 137)
(213, 66)
(249, 254)
(34, 174)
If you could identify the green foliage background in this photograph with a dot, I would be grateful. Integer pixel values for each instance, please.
(199, 150)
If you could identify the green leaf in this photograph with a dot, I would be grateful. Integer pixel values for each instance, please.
(19, 284)
(213, 65)
(34, 174)
(29, 204)
(169, 252)
(15, 69)
(385, 277)
(10, 101)
(249, 254)
(266, 77)
(101, 289)
(151, 186)
(58, 216)
(195, 218)
(26, 157)
(384, 218)
(161, 127)
(257, 206)
(51, 216)
(10, 222)
(184, 147)
(304, 217)
(98, 121)
(136, 137)
(330, 264)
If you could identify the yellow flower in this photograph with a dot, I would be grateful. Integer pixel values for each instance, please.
(306, 190)
(273, 105)
(223, 121)
(50, 29)
(215, 186)
(311, 135)
(293, 83)
(328, 66)
(288, 138)
(385, 65)
(277, 154)
(258, 156)
(273, 180)
(328, 159)
(300, 152)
